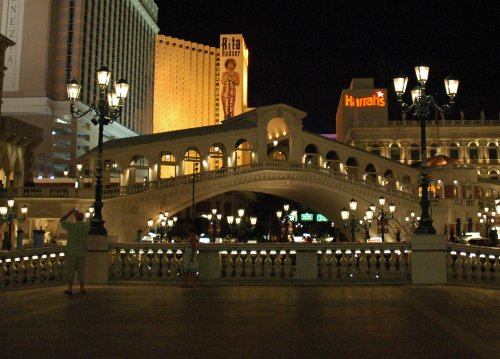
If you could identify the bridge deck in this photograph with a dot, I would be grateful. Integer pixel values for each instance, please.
(154, 321)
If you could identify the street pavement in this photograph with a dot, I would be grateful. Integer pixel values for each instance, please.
(160, 321)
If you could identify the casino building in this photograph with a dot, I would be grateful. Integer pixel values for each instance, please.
(56, 41)
(194, 86)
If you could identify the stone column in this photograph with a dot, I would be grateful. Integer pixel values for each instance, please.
(307, 265)
(428, 259)
(209, 265)
(98, 260)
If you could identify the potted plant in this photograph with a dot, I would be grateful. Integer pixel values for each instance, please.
(38, 237)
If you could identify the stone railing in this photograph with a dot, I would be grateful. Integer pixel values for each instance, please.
(28, 268)
(264, 262)
(223, 173)
(426, 260)
(248, 169)
(469, 264)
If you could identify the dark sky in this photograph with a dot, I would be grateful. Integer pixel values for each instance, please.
(303, 53)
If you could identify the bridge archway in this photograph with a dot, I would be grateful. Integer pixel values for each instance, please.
(320, 189)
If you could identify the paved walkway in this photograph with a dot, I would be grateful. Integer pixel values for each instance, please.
(154, 321)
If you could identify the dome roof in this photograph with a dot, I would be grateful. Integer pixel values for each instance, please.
(440, 160)
(436, 161)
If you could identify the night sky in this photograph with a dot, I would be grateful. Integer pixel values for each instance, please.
(303, 53)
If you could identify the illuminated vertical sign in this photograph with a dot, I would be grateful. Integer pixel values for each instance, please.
(233, 79)
(12, 25)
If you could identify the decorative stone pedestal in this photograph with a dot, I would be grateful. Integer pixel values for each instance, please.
(209, 264)
(98, 260)
(307, 265)
(428, 259)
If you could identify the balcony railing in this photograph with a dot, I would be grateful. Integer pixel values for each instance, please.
(32, 267)
(474, 265)
(264, 262)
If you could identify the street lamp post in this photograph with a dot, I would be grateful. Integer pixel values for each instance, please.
(383, 217)
(105, 110)
(421, 107)
(195, 170)
(286, 224)
(487, 218)
(8, 215)
(350, 221)
(412, 221)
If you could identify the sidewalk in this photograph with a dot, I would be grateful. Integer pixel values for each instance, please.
(154, 321)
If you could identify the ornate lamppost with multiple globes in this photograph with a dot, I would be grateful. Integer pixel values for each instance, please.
(383, 217)
(422, 106)
(106, 109)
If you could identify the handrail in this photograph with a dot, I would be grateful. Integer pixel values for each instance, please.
(34, 192)
(247, 169)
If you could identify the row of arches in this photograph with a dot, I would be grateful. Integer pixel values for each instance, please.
(471, 152)
(168, 164)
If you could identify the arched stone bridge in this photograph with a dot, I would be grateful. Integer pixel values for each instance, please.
(321, 189)
(263, 150)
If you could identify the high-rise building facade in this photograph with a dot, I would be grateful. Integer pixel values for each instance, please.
(57, 40)
(199, 85)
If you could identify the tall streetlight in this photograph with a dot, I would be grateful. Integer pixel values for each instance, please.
(422, 106)
(383, 217)
(412, 221)
(7, 215)
(195, 170)
(106, 109)
(286, 224)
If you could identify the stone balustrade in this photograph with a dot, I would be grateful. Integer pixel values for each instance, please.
(264, 262)
(469, 264)
(32, 267)
(427, 261)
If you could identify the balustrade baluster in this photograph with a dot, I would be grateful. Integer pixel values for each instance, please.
(495, 276)
(117, 263)
(334, 265)
(363, 265)
(48, 269)
(3, 273)
(287, 265)
(12, 273)
(344, 265)
(459, 266)
(382, 266)
(486, 274)
(155, 265)
(449, 265)
(238, 264)
(128, 268)
(353, 265)
(468, 270)
(30, 271)
(393, 270)
(268, 265)
(373, 263)
(39, 274)
(143, 259)
(136, 264)
(322, 265)
(165, 265)
(57, 268)
(259, 265)
(16, 280)
(252, 258)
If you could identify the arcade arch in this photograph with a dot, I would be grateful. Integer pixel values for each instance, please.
(243, 155)
(192, 161)
(139, 169)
